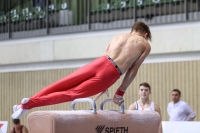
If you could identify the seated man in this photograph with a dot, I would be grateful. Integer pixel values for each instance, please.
(18, 128)
(144, 103)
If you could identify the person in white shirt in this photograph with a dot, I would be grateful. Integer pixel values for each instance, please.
(144, 103)
(179, 110)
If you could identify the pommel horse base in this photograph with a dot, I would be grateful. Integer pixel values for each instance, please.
(87, 121)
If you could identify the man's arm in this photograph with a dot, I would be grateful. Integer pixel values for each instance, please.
(157, 109)
(131, 73)
(107, 48)
(24, 129)
(191, 113)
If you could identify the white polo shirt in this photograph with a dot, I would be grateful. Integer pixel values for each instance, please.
(180, 111)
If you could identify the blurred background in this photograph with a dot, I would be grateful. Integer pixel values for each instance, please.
(29, 18)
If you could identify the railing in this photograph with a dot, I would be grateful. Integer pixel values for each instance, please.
(46, 17)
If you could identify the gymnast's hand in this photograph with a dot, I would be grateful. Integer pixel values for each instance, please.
(118, 99)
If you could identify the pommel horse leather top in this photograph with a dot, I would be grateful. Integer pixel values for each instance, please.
(87, 121)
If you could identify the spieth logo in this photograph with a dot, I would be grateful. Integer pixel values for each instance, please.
(100, 128)
(103, 129)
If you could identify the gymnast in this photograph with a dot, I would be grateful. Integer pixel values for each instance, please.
(124, 54)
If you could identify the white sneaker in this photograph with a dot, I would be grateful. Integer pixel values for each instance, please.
(16, 107)
(17, 114)
(18, 111)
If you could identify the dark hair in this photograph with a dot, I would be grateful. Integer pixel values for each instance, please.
(177, 90)
(143, 28)
(145, 84)
(16, 121)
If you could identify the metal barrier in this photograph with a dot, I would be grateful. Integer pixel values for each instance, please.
(39, 18)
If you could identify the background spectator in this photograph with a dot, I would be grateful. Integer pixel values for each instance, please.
(17, 127)
(144, 103)
(179, 110)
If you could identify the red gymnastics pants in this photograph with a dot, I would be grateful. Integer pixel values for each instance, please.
(88, 80)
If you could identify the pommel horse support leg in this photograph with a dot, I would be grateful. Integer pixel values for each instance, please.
(92, 121)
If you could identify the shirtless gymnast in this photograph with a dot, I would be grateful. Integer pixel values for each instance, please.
(124, 54)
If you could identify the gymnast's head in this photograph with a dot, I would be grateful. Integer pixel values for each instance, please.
(142, 29)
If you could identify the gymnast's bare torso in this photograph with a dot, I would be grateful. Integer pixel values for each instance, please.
(125, 49)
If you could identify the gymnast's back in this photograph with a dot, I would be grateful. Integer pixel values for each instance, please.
(126, 49)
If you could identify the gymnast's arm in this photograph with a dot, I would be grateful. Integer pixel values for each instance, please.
(107, 48)
(132, 72)
(130, 75)
(157, 109)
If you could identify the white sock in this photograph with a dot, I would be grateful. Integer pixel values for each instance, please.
(16, 107)
(19, 113)
(24, 100)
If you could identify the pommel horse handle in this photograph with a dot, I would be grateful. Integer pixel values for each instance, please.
(110, 100)
(94, 111)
